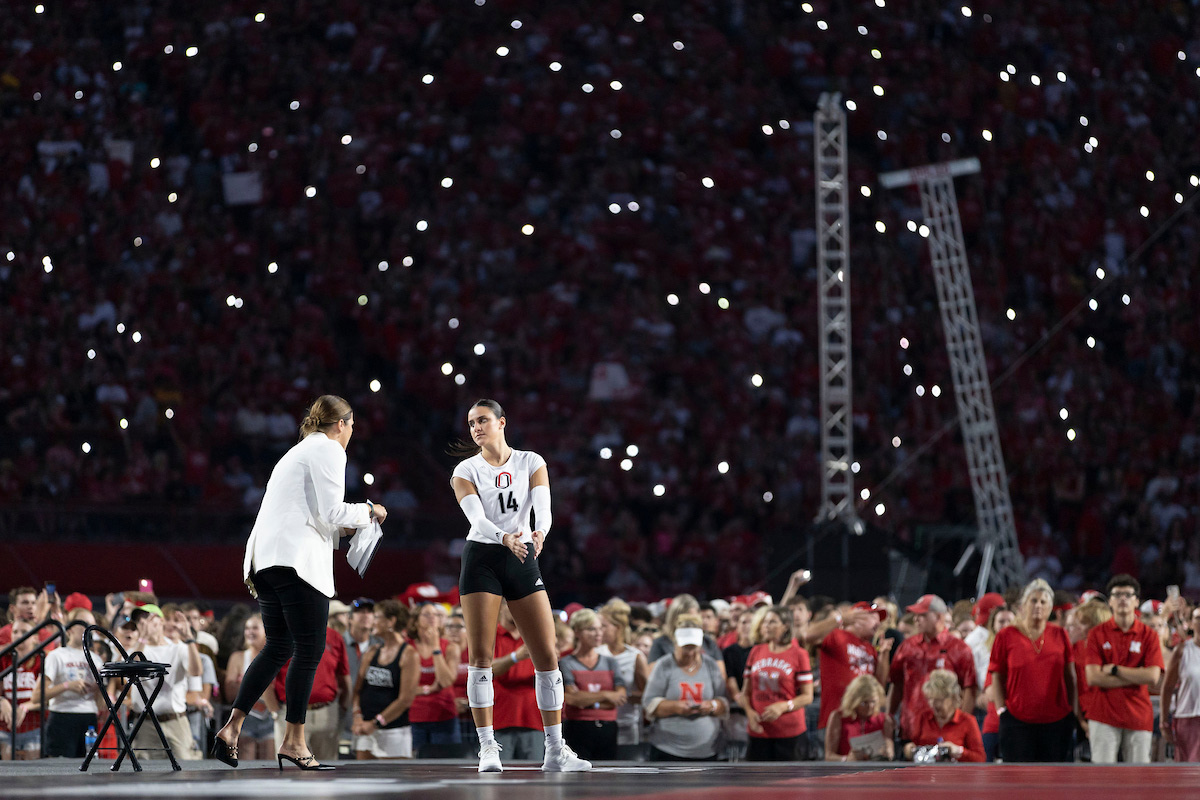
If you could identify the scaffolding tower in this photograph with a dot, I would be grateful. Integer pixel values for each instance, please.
(833, 308)
(1001, 564)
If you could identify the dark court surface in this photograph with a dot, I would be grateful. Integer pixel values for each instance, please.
(455, 780)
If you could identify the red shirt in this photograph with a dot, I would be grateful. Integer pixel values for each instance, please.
(460, 680)
(437, 706)
(729, 638)
(844, 657)
(516, 702)
(1034, 682)
(774, 677)
(962, 729)
(856, 727)
(991, 722)
(1086, 690)
(1123, 706)
(27, 678)
(916, 658)
(333, 665)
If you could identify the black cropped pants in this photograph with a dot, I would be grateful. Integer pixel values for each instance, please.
(294, 618)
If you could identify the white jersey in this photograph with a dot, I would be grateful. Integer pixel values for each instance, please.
(504, 492)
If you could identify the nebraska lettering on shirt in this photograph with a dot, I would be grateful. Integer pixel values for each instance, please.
(780, 664)
(862, 662)
(691, 692)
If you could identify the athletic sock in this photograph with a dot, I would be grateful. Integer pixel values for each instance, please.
(554, 739)
(486, 735)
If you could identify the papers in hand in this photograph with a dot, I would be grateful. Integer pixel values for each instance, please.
(363, 546)
(869, 744)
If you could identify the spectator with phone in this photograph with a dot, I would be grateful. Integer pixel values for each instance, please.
(171, 704)
(943, 722)
(684, 699)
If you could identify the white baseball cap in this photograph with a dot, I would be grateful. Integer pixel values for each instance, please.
(686, 636)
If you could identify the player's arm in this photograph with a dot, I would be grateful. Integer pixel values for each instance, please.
(539, 492)
(472, 507)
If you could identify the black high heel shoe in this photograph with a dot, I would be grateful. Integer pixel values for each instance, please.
(304, 763)
(224, 752)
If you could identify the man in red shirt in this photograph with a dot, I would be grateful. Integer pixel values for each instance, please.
(1123, 661)
(23, 605)
(328, 701)
(933, 647)
(846, 652)
(516, 719)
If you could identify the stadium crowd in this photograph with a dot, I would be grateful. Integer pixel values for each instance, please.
(603, 216)
(1031, 675)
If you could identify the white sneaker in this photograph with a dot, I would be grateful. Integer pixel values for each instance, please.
(564, 760)
(489, 758)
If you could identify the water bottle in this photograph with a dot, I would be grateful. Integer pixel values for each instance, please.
(89, 738)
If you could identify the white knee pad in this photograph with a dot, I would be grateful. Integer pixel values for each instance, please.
(479, 687)
(548, 687)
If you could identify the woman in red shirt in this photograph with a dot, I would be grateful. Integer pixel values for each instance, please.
(433, 714)
(858, 715)
(1033, 682)
(28, 720)
(944, 723)
(777, 686)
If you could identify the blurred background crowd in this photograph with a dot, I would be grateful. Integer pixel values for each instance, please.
(602, 216)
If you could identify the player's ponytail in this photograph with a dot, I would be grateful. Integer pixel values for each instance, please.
(464, 449)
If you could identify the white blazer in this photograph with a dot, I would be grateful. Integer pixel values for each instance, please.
(302, 513)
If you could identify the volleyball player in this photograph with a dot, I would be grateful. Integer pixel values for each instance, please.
(497, 488)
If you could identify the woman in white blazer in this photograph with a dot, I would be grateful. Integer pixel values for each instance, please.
(289, 568)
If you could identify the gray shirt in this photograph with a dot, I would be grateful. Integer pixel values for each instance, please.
(685, 737)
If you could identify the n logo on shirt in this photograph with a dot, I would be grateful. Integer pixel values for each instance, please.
(691, 692)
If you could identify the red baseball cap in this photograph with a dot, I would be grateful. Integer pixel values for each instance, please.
(758, 597)
(77, 600)
(865, 606)
(926, 603)
(984, 605)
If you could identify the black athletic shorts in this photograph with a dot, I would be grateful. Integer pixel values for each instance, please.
(495, 569)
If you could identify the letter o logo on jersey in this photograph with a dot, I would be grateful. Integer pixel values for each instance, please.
(503, 480)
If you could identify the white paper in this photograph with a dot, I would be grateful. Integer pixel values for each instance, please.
(870, 744)
(362, 547)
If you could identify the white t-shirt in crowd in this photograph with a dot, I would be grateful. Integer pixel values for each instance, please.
(63, 665)
(173, 697)
(504, 492)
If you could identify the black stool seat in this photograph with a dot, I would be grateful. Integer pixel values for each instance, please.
(133, 670)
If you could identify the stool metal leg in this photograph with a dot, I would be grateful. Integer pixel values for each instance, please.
(113, 721)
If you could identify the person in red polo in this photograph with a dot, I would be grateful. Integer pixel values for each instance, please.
(329, 700)
(516, 720)
(933, 647)
(943, 722)
(845, 649)
(1123, 661)
(1033, 682)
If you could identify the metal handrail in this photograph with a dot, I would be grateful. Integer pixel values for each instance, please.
(59, 635)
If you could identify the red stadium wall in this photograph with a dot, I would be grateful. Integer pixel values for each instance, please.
(213, 573)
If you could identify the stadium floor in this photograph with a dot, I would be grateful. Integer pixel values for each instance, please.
(458, 780)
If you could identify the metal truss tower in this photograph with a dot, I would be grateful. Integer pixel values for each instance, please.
(1001, 565)
(833, 308)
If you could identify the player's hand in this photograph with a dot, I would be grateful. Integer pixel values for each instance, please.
(513, 542)
(539, 538)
